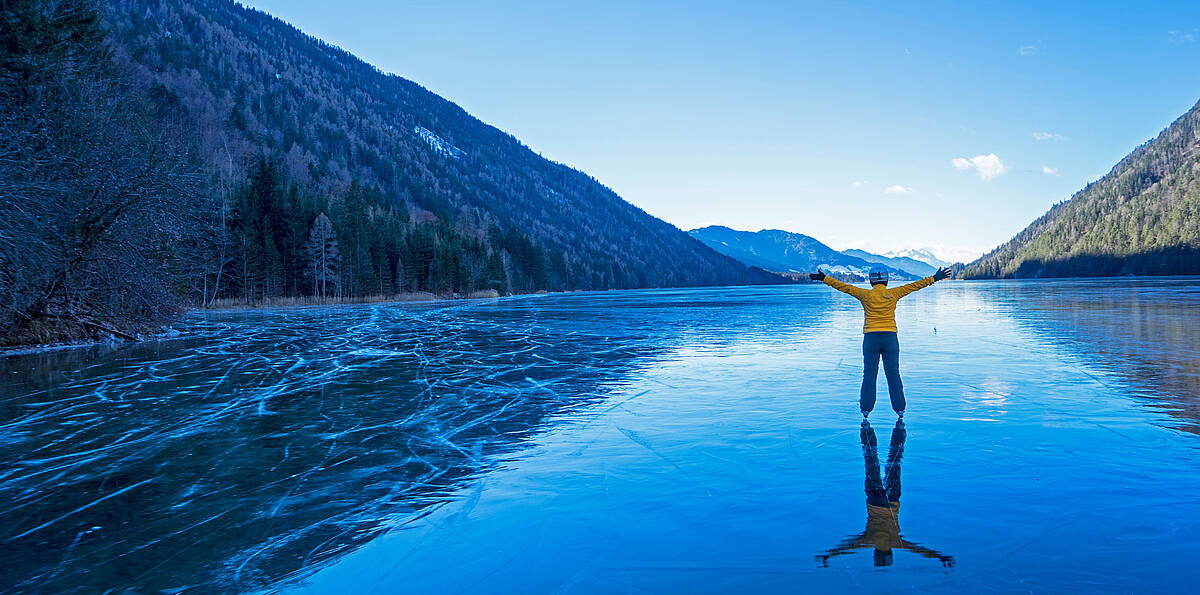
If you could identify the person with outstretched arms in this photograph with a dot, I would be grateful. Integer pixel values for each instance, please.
(879, 331)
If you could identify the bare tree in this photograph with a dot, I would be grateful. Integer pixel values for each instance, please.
(93, 187)
(323, 254)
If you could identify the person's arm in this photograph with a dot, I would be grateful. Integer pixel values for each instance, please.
(847, 545)
(904, 290)
(857, 292)
(933, 554)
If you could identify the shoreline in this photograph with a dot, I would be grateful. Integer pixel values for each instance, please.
(166, 332)
(306, 302)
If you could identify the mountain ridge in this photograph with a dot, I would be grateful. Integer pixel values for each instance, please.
(1138, 219)
(904, 263)
(785, 252)
(919, 254)
(178, 153)
(335, 119)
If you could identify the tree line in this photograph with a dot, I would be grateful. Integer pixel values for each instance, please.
(280, 239)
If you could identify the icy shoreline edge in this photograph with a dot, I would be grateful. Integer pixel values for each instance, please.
(168, 333)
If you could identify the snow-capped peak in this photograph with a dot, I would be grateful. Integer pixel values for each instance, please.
(919, 254)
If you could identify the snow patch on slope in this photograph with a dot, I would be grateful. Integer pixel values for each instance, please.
(438, 144)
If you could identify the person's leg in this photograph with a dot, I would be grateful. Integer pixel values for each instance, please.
(866, 396)
(895, 453)
(872, 484)
(890, 347)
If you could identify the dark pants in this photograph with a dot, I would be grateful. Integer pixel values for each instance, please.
(885, 344)
(883, 493)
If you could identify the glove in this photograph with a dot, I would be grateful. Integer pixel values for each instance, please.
(819, 276)
(943, 273)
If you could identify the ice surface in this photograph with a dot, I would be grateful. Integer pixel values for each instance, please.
(683, 440)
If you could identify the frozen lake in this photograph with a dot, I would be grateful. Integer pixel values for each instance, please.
(703, 440)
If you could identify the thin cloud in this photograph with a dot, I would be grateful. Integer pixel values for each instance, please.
(860, 183)
(1047, 136)
(987, 166)
(1027, 50)
(1183, 36)
(897, 189)
(1050, 171)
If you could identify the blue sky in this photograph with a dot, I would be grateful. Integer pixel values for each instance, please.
(873, 125)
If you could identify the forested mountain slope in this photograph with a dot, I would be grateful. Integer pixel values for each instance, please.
(256, 83)
(159, 153)
(1143, 218)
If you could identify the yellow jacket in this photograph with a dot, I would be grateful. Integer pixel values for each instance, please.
(879, 302)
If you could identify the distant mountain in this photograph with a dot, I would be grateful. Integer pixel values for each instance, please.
(783, 251)
(906, 264)
(1139, 219)
(919, 254)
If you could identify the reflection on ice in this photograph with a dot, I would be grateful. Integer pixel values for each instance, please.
(883, 505)
(1145, 331)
